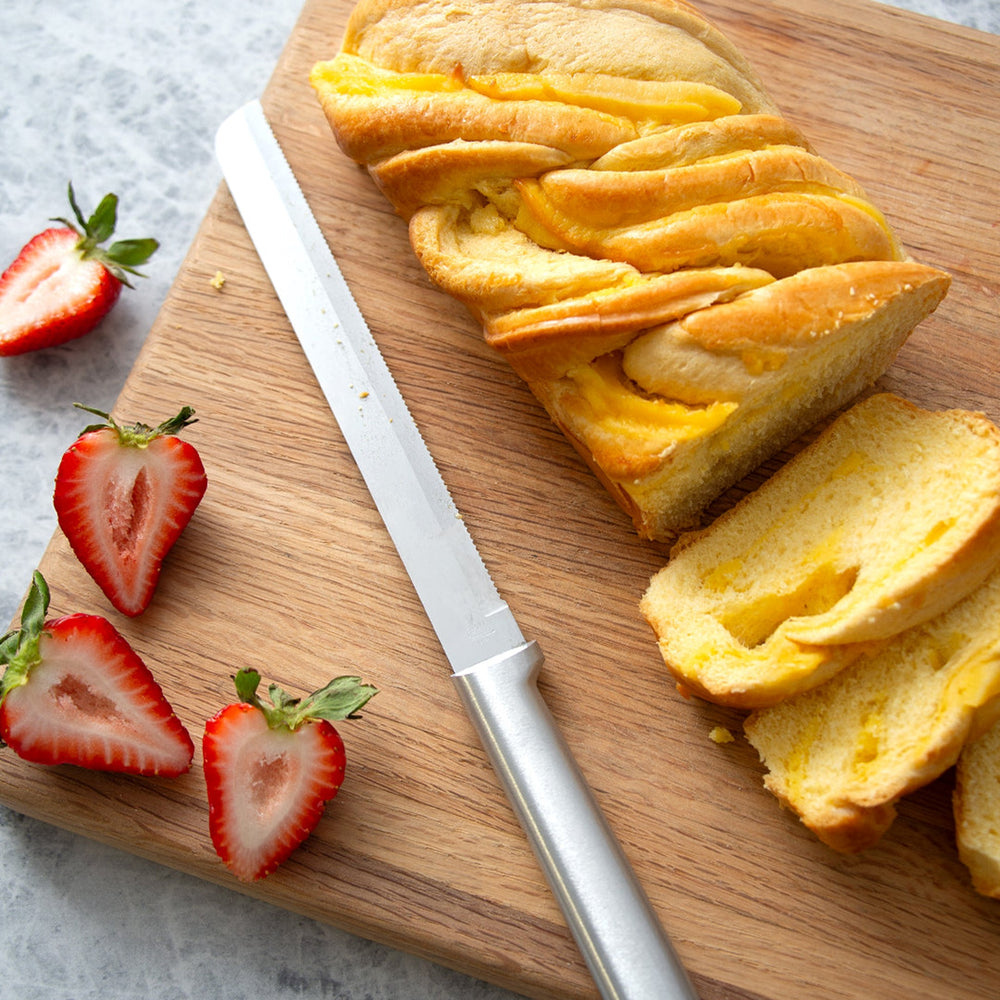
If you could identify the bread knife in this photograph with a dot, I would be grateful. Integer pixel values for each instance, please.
(494, 669)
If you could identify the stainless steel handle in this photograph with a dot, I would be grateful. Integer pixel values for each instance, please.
(609, 915)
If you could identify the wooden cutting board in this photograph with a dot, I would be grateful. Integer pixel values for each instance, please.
(286, 568)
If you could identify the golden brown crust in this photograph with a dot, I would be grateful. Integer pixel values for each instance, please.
(371, 128)
(811, 304)
(449, 172)
(605, 184)
(609, 199)
(642, 39)
(687, 144)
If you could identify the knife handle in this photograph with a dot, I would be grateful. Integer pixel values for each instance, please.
(609, 915)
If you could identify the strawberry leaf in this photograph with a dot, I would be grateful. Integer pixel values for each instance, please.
(283, 702)
(129, 253)
(101, 224)
(105, 417)
(176, 424)
(36, 604)
(19, 650)
(81, 226)
(122, 257)
(139, 434)
(8, 645)
(341, 699)
(247, 682)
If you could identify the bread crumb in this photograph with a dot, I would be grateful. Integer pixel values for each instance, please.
(721, 735)
(217, 280)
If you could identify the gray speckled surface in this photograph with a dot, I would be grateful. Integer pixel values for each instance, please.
(127, 98)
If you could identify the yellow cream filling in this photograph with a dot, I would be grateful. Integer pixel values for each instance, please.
(798, 760)
(638, 100)
(620, 410)
(352, 76)
(551, 226)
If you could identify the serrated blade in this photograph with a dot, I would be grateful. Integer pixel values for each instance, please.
(471, 620)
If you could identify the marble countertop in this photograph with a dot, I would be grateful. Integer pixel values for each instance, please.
(130, 103)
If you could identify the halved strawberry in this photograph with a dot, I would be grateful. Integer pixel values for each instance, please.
(123, 495)
(63, 282)
(271, 768)
(75, 692)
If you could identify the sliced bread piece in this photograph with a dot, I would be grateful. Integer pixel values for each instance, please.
(977, 810)
(890, 517)
(842, 754)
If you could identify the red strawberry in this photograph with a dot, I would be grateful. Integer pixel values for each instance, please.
(123, 495)
(271, 768)
(75, 692)
(63, 282)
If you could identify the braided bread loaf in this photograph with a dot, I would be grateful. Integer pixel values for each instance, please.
(683, 283)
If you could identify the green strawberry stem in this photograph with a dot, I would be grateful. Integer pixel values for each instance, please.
(138, 435)
(123, 255)
(340, 699)
(19, 648)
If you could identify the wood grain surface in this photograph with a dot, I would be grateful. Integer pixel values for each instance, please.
(287, 568)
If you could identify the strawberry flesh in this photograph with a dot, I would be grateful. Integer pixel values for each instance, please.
(123, 495)
(267, 787)
(51, 294)
(271, 769)
(75, 692)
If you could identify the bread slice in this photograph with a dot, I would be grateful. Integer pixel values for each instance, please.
(685, 285)
(887, 519)
(842, 755)
(977, 810)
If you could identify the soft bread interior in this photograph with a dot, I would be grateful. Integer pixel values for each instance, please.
(841, 755)
(887, 519)
(977, 810)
